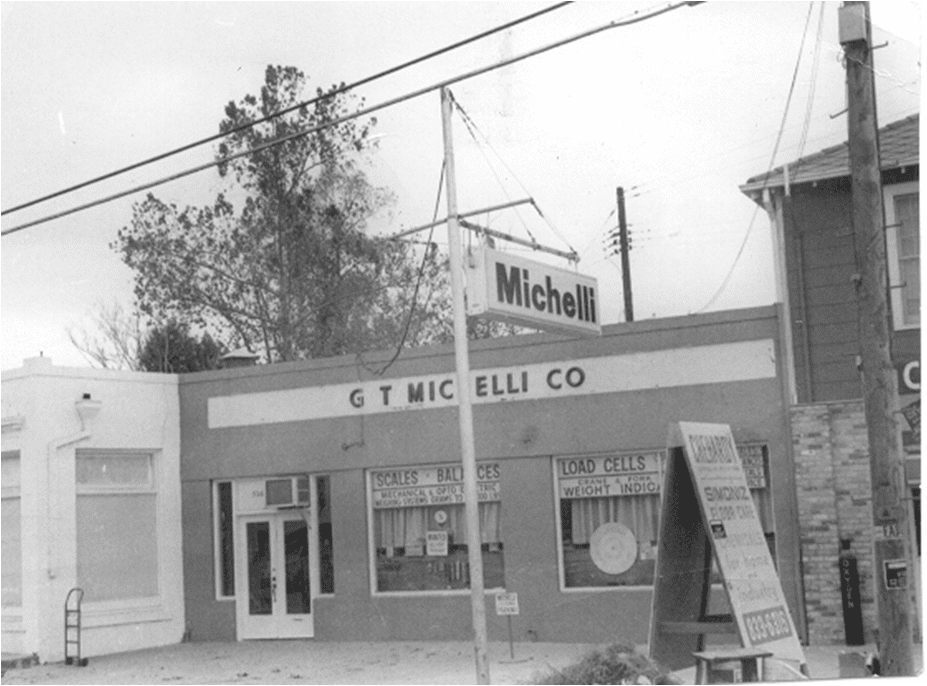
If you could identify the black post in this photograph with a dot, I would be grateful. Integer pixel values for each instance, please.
(849, 587)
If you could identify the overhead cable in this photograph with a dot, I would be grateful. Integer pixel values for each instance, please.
(243, 127)
(360, 113)
(772, 162)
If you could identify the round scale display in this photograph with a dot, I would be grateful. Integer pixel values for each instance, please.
(440, 516)
(613, 548)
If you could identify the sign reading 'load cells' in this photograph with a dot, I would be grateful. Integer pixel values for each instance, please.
(520, 291)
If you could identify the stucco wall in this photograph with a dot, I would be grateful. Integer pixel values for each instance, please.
(136, 412)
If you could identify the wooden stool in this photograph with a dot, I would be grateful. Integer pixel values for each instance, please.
(750, 659)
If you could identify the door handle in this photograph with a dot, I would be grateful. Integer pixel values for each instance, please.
(273, 588)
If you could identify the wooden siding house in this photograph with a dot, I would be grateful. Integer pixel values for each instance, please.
(809, 205)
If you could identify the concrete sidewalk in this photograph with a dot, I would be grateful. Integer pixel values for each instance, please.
(316, 662)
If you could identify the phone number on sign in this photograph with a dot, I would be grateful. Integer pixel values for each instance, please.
(767, 625)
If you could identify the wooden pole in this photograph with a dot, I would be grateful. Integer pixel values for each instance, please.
(625, 259)
(891, 559)
(461, 355)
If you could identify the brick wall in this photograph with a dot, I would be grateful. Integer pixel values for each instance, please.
(832, 477)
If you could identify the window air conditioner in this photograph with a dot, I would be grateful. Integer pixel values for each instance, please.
(290, 491)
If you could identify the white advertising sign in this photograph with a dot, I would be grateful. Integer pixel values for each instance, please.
(669, 368)
(732, 523)
(506, 604)
(425, 486)
(609, 475)
(436, 543)
(530, 293)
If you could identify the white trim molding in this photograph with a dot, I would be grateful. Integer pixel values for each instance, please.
(893, 253)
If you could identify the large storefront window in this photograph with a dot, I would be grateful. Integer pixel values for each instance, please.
(420, 530)
(11, 562)
(609, 508)
(117, 526)
(609, 518)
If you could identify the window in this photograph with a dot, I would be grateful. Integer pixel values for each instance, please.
(420, 531)
(609, 512)
(609, 518)
(903, 244)
(755, 459)
(326, 554)
(224, 539)
(117, 526)
(11, 557)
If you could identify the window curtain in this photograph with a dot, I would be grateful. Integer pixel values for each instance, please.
(406, 526)
(640, 513)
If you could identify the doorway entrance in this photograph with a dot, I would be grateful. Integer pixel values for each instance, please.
(274, 569)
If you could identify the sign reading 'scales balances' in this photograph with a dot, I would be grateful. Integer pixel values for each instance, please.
(502, 286)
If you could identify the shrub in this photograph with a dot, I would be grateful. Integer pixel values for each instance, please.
(615, 664)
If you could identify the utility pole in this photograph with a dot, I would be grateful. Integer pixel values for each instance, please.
(625, 258)
(462, 358)
(891, 559)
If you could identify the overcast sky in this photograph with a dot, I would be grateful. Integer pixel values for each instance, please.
(679, 110)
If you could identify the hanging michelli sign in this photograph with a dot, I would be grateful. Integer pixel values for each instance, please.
(513, 289)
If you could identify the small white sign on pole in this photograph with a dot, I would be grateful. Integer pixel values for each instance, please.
(506, 604)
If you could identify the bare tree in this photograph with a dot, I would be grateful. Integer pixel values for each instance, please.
(110, 336)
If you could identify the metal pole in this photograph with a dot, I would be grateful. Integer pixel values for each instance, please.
(625, 259)
(473, 213)
(461, 354)
(511, 639)
(891, 561)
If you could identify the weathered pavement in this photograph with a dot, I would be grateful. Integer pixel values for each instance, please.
(316, 662)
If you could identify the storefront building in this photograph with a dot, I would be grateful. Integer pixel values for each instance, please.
(324, 498)
(91, 499)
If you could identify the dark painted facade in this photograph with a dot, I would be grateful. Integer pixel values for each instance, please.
(810, 209)
(633, 381)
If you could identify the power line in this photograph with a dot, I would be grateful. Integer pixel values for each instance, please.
(338, 91)
(467, 118)
(772, 161)
(811, 88)
(418, 283)
(472, 129)
(388, 103)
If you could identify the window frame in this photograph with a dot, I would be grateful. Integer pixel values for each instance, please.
(217, 539)
(890, 192)
(558, 520)
(372, 544)
(14, 492)
(125, 610)
(558, 523)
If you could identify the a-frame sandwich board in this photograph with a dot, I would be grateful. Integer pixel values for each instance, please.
(708, 509)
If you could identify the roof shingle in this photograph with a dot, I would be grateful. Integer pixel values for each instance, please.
(898, 146)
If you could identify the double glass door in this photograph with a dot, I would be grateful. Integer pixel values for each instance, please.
(274, 573)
